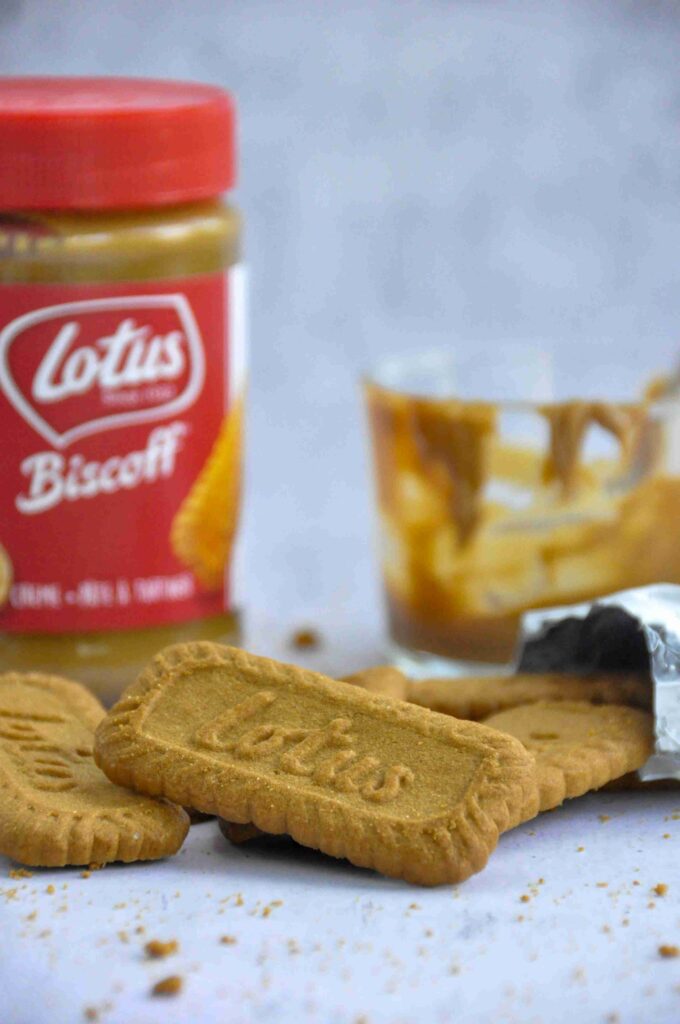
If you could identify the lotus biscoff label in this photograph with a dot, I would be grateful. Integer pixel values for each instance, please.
(120, 437)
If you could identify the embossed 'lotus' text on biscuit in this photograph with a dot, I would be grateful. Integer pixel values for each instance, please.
(267, 729)
(383, 783)
(300, 750)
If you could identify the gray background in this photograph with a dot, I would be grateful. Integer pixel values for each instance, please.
(413, 174)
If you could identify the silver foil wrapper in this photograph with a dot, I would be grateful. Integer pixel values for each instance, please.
(633, 629)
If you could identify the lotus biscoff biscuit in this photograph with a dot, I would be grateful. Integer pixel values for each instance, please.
(477, 697)
(382, 783)
(382, 679)
(577, 746)
(56, 806)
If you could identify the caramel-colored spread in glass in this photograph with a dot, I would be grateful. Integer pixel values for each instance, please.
(100, 248)
(455, 449)
(569, 423)
(478, 528)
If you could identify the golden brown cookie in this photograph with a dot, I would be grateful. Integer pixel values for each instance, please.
(56, 806)
(383, 679)
(476, 697)
(385, 784)
(5, 576)
(577, 746)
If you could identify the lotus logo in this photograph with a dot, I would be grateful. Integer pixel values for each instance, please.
(83, 367)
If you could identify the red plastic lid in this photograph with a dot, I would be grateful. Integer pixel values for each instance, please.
(98, 143)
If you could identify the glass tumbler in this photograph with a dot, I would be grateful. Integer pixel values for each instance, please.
(505, 485)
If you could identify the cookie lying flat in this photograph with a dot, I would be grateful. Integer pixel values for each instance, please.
(56, 806)
(383, 679)
(577, 746)
(380, 782)
(476, 697)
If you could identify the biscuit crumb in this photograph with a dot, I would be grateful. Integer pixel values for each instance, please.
(305, 638)
(604, 817)
(32, 916)
(666, 835)
(124, 937)
(580, 849)
(293, 947)
(50, 889)
(91, 1013)
(228, 940)
(524, 898)
(669, 952)
(602, 885)
(157, 950)
(414, 906)
(94, 866)
(85, 874)
(651, 905)
(171, 986)
(140, 929)
(660, 889)
(20, 873)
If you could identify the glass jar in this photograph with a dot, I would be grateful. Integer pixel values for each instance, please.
(505, 484)
(121, 374)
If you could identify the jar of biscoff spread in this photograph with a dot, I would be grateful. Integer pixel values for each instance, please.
(121, 373)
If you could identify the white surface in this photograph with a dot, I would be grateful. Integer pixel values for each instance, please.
(347, 946)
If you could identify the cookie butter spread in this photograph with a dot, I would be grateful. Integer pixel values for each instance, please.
(478, 527)
(121, 373)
